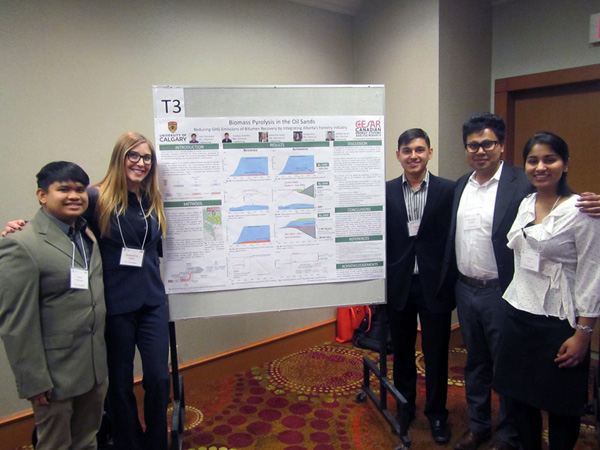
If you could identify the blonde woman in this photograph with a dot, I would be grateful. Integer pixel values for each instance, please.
(129, 221)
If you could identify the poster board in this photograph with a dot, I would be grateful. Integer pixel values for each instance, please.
(196, 126)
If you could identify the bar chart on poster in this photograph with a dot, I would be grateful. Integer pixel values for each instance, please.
(274, 197)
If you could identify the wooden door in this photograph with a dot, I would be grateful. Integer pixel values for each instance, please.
(565, 102)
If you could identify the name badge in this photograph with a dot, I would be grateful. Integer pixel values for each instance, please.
(79, 278)
(472, 221)
(132, 257)
(413, 227)
(530, 260)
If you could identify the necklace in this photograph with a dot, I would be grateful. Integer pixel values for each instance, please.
(555, 203)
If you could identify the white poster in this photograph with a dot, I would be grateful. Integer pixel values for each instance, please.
(271, 201)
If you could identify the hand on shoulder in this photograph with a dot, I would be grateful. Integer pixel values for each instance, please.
(13, 225)
(589, 203)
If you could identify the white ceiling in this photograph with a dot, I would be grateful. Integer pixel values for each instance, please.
(351, 7)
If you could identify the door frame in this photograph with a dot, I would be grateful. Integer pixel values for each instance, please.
(507, 89)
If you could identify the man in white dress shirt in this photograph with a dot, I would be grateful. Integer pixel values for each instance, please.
(486, 202)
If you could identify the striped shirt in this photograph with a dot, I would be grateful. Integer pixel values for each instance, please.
(415, 200)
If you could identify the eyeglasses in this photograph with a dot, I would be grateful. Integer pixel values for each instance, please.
(488, 146)
(135, 157)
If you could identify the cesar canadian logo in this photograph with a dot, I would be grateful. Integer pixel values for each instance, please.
(367, 128)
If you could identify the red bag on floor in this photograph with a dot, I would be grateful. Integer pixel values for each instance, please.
(348, 319)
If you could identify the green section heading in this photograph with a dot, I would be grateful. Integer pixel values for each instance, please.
(353, 209)
(192, 203)
(357, 143)
(276, 145)
(359, 238)
(359, 265)
(189, 147)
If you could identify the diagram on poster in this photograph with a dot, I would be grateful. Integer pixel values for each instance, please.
(271, 201)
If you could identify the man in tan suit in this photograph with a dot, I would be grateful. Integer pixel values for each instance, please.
(52, 313)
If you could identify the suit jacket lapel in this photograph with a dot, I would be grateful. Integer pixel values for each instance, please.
(129, 234)
(56, 238)
(401, 207)
(431, 203)
(458, 191)
(506, 191)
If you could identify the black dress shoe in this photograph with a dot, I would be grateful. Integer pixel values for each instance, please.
(440, 432)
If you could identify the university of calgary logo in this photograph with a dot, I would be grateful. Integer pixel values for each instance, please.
(172, 127)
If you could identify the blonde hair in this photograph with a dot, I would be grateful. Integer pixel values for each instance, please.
(113, 194)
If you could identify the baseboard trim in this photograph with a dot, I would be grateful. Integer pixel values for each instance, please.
(15, 430)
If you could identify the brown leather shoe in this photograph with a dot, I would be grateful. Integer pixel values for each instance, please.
(471, 440)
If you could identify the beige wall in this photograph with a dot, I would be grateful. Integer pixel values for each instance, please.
(75, 75)
(465, 67)
(396, 44)
(423, 51)
(532, 36)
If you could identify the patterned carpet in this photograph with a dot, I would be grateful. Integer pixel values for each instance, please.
(306, 401)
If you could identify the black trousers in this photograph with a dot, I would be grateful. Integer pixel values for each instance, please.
(435, 336)
(148, 330)
(563, 431)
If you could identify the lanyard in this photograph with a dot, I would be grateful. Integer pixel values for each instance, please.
(146, 223)
(82, 249)
(79, 277)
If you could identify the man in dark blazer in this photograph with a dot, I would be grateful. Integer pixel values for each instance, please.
(418, 212)
(52, 313)
(486, 202)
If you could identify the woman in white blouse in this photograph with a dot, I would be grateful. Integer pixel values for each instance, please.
(554, 299)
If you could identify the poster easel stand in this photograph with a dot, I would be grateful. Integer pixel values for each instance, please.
(178, 419)
(399, 423)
